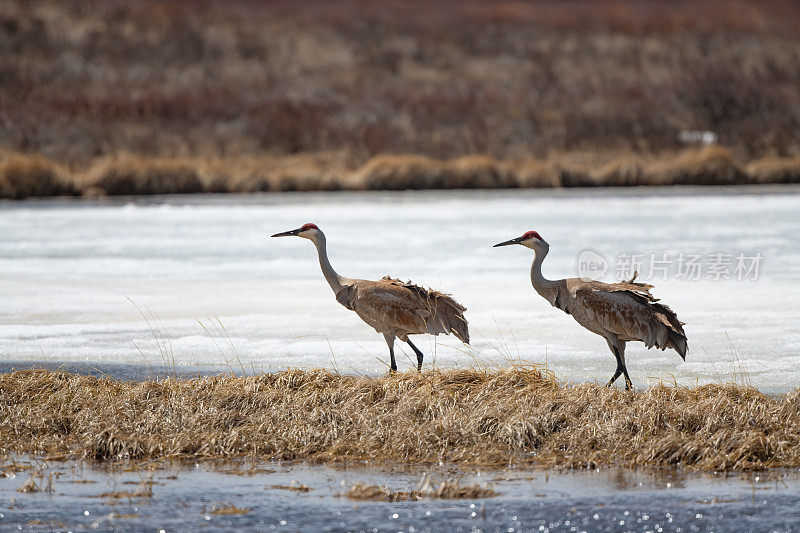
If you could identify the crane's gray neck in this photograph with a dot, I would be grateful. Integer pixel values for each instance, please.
(333, 279)
(546, 288)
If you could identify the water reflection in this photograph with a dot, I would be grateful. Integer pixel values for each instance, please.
(243, 494)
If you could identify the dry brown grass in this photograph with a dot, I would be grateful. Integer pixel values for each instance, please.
(713, 165)
(362, 491)
(40, 525)
(144, 490)
(227, 508)
(40, 480)
(126, 494)
(775, 170)
(132, 175)
(497, 418)
(400, 172)
(324, 171)
(444, 490)
(128, 175)
(296, 487)
(24, 175)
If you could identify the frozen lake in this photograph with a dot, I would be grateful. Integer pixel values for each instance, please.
(223, 294)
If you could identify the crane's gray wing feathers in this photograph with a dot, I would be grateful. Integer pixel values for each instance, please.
(626, 309)
(402, 308)
(385, 308)
(347, 296)
(439, 311)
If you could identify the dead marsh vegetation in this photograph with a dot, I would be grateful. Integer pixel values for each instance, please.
(294, 487)
(23, 176)
(227, 508)
(444, 490)
(515, 417)
(40, 480)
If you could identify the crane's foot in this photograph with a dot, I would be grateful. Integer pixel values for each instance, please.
(628, 384)
(617, 374)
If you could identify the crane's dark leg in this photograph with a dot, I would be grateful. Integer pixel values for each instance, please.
(618, 372)
(621, 350)
(416, 351)
(390, 341)
(618, 349)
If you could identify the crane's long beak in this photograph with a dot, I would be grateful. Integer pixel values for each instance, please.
(288, 233)
(509, 243)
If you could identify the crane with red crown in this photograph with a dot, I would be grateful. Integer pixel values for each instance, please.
(618, 312)
(394, 308)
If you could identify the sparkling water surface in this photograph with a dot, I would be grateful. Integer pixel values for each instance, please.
(182, 498)
(78, 279)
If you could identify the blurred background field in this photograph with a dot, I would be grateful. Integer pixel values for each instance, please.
(171, 96)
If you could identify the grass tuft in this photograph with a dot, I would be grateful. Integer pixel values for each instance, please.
(296, 487)
(227, 508)
(24, 176)
(129, 175)
(40, 480)
(445, 490)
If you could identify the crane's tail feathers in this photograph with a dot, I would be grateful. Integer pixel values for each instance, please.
(444, 314)
(667, 330)
(664, 329)
(678, 343)
(658, 325)
(451, 315)
(676, 338)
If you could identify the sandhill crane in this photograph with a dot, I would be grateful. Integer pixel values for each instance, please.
(618, 312)
(392, 307)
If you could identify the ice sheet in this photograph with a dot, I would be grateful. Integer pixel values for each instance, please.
(217, 290)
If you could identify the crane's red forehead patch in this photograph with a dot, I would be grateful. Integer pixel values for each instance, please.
(308, 226)
(532, 235)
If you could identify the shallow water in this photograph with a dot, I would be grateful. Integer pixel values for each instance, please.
(74, 272)
(529, 500)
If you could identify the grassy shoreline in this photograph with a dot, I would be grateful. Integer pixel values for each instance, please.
(28, 176)
(516, 417)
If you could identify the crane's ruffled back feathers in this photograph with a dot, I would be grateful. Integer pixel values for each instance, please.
(672, 334)
(445, 314)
